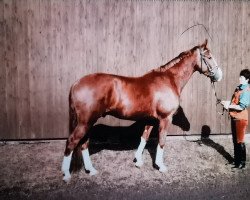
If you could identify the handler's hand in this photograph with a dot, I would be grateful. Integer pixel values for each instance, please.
(225, 104)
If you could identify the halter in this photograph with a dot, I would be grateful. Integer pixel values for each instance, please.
(210, 71)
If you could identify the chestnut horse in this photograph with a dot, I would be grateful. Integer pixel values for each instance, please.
(154, 96)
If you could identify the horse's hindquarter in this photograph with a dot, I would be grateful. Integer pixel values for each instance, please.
(91, 95)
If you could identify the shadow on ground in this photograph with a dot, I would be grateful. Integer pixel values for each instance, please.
(118, 138)
(205, 133)
(128, 138)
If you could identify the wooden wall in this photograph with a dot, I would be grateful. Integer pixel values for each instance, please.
(46, 45)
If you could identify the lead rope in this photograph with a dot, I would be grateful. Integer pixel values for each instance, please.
(217, 99)
(199, 141)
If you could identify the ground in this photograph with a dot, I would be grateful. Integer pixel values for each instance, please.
(197, 169)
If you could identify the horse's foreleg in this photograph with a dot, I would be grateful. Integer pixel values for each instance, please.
(144, 139)
(160, 147)
(71, 143)
(86, 159)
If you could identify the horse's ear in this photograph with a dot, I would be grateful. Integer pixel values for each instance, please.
(204, 45)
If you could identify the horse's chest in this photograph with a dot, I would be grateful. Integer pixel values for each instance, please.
(165, 101)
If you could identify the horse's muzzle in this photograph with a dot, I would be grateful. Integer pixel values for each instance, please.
(217, 75)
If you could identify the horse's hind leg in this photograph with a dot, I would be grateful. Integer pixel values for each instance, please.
(144, 139)
(71, 143)
(86, 159)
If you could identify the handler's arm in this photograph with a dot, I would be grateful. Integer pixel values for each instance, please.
(235, 107)
(244, 102)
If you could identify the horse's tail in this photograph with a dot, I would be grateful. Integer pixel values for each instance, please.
(72, 114)
(76, 161)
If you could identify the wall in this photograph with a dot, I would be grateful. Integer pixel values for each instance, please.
(47, 45)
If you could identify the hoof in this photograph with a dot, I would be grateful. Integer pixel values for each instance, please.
(138, 162)
(161, 167)
(92, 171)
(66, 178)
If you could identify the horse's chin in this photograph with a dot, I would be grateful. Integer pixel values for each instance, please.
(217, 76)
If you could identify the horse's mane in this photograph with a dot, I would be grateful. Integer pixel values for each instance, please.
(176, 60)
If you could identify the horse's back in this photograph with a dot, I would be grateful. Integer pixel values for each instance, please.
(102, 81)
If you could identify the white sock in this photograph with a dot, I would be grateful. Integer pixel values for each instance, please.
(159, 155)
(66, 163)
(140, 148)
(159, 159)
(86, 159)
(87, 162)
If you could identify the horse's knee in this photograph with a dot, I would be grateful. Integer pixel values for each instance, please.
(162, 140)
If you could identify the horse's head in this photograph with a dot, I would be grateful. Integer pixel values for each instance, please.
(208, 66)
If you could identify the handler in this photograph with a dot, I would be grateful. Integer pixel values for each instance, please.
(239, 117)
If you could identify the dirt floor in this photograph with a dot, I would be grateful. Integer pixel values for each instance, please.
(197, 169)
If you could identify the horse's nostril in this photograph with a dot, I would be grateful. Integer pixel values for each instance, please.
(217, 75)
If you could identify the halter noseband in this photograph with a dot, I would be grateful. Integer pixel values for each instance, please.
(210, 71)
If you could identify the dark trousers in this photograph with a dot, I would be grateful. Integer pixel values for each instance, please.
(239, 145)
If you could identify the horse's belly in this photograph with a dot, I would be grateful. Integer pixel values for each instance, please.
(131, 110)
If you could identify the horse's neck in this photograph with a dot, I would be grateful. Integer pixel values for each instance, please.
(182, 71)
